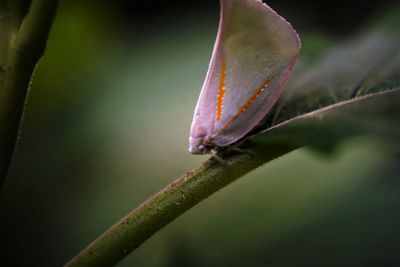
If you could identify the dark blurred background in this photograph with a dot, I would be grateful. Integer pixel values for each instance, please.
(107, 123)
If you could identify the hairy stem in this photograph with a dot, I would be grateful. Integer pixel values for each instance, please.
(182, 194)
(23, 42)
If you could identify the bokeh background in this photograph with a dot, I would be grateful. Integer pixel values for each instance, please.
(106, 126)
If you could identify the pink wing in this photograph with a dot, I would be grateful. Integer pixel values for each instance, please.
(253, 57)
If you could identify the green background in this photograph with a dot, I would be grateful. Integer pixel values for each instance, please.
(106, 126)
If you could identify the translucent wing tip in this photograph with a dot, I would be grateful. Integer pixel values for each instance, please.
(227, 5)
(270, 10)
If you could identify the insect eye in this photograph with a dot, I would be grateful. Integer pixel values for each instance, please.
(201, 148)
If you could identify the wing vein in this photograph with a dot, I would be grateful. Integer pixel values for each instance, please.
(250, 101)
(221, 90)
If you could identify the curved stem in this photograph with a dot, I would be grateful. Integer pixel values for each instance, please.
(182, 194)
(23, 44)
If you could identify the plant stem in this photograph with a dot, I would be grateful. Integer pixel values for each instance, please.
(26, 41)
(182, 194)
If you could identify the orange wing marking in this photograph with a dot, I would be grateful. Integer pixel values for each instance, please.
(221, 90)
(250, 101)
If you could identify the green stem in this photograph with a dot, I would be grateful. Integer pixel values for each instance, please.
(182, 194)
(23, 44)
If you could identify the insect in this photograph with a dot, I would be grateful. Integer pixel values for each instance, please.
(254, 55)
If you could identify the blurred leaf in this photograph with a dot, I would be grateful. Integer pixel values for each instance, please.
(376, 115)
(353, 90)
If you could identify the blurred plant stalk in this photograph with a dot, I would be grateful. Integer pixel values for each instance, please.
(24, 29)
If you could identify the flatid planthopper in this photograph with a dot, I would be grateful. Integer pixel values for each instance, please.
(253, 57)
